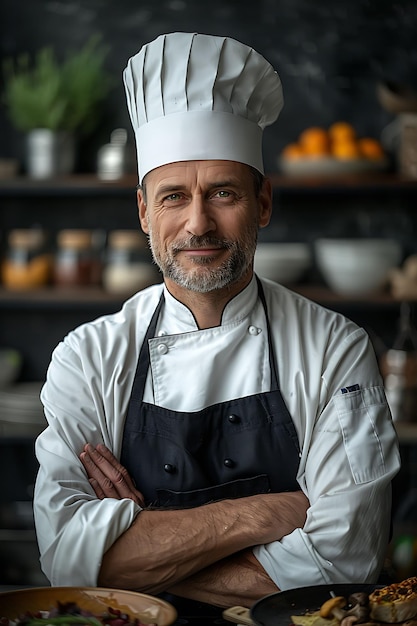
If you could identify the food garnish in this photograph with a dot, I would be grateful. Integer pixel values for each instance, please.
(70, 613)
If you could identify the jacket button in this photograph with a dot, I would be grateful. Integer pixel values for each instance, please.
(234, 419)
(170, 469)
(162, 348)
(229, 463)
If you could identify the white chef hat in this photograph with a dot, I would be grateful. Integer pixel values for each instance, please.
(193, 97)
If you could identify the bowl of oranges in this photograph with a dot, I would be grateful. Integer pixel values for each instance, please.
(334, 150)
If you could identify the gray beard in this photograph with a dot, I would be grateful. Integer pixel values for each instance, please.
(209, 279)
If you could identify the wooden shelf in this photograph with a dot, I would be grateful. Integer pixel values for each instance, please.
(90, 184)
(59, 298)
(345, 182)
(76, 185)
(81, 296)
(322, 294)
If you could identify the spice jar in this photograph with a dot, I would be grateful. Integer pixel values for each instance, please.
(74, 260)
(129, 264)
(27, 264)
(399, 369)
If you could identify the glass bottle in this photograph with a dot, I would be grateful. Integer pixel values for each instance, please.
(399, 369)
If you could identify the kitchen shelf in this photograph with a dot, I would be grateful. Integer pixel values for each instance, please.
(323, 295)
(81, 297)
(75, 185)
(368, 183)
(90, 184)
(73, 298)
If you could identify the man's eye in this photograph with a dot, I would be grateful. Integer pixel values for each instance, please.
(172, 197)
(223, 194)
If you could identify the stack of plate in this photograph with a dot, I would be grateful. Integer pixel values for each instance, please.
(21, 411)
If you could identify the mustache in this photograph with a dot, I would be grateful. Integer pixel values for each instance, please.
(201, 242)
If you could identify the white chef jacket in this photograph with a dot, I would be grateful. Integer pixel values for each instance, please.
(349, 450)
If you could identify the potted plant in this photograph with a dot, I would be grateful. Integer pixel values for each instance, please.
(54, 102)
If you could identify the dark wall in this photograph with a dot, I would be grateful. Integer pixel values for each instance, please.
(329, 54)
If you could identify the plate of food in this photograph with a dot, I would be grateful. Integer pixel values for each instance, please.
(334, 605)
(72, 605)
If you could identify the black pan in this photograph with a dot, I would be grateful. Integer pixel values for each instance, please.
(276, 609)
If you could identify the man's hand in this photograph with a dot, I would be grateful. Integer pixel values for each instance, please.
(107, 476)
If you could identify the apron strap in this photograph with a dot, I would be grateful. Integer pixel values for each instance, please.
(138, 388)
(272, 359)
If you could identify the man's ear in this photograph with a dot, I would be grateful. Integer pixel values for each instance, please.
(265, 203)
(142, 211)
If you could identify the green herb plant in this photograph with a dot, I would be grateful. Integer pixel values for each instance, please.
(60, 97)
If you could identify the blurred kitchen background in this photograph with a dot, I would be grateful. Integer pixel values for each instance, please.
(342, 158)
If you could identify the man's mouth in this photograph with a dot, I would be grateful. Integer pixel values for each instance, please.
(203, 248)
(202, 251)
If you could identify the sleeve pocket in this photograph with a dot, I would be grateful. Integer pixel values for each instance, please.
(367, 431)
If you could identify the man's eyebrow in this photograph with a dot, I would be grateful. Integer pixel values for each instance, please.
(164, 189)
(230, 182)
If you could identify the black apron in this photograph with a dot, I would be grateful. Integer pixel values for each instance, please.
(232, 449)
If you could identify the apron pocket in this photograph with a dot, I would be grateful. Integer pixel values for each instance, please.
(240, 488)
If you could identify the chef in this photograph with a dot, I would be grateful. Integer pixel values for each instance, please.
(220, 437)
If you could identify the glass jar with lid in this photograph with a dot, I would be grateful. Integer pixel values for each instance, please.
(129, 266)
(74, 259)
(27, 263)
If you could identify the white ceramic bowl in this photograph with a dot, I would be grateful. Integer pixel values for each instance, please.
(284, 263)
(356, 266)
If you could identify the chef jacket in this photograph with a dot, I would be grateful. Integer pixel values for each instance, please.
(331, 385)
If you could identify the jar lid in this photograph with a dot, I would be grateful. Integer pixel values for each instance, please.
(78, 239)
(127, 240)
(30, 238)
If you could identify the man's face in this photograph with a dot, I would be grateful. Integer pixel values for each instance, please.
(202, 218)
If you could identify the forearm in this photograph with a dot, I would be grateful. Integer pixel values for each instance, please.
(162, 548)
(237, 580)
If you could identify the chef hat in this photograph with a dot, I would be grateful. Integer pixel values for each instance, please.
(193, 97)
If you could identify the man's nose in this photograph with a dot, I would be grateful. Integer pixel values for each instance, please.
(199, 219)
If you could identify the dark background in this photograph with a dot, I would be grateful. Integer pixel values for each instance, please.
(330, 55)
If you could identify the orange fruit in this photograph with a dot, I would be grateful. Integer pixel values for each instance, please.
(346, 150)
(292, 151)
(342, 131)
(315, 141)
(371, 148)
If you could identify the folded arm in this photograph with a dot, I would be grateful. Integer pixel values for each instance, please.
(238, 580)
(194, 552)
